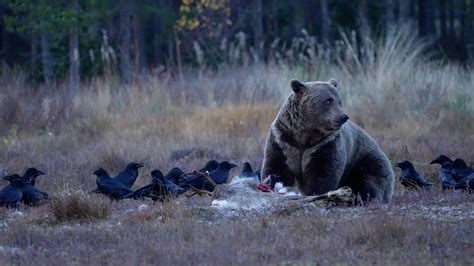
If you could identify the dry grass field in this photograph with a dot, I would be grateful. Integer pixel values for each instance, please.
(414, 107)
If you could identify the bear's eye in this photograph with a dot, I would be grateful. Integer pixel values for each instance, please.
(329, 101)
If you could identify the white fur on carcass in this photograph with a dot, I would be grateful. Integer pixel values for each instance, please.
(286, 191)
(242, 194)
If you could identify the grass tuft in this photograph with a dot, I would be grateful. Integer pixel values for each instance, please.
(78, 207)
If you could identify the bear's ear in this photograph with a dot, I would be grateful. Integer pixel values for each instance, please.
(333, 82)
(297, 86)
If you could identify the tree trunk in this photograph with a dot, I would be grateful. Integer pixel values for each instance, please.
(275, 26)
(125, 41)
(157, 47)
(325, 22)
(178, 61)
(430, 17)
(298, 19)
(74, 62)
(139, 43)
(310, 13)
(258, 30)
(293, 14)
(396, 10)
(390, 14)
(5, 53)
(411, 9)
(422, 17)
(442, 18)
(363, 22)
(469, 35)
(404, 11)
(451, 29)
(463, 10)
(33, 48)
(46, 57)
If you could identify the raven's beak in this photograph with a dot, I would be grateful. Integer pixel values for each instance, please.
(139, 165)
(398, 165)
(8, 177)
(41, 173)
(233, 165)
(434, 161)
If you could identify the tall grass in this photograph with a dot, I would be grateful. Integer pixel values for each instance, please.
(389, 77)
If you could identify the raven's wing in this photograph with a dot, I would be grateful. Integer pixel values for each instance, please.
(10, 196)
(198, 182)
(422, 181)
(462, 173)
(112, 186)
(172, 187)
(220, 177)
(140, 193)
(32, 195)
(466, 183)
(126, 178)
(191, 180)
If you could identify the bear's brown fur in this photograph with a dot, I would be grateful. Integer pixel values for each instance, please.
(312, 145)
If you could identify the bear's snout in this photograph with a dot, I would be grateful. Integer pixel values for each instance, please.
(344, 118)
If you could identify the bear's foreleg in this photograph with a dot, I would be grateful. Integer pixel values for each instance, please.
(322, 171)
(274, 163)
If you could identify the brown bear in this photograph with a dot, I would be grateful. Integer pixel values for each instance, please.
(312, 144)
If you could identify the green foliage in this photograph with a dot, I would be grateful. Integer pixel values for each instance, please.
(33, 16)
(56, 18)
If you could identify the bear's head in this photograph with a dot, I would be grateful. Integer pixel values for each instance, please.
(319, 105)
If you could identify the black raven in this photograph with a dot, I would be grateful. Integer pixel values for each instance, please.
(31, 174)
(221, 173)
(247, 172)
(441, 159)
(129, 175)
(410, 178)
(109, 186)
(32, 195)
(445, 172)
(170, 187)
(174, 175)
(210, 165)
(159, 188)
(198, 180)
(11, 195)
(463, 175)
